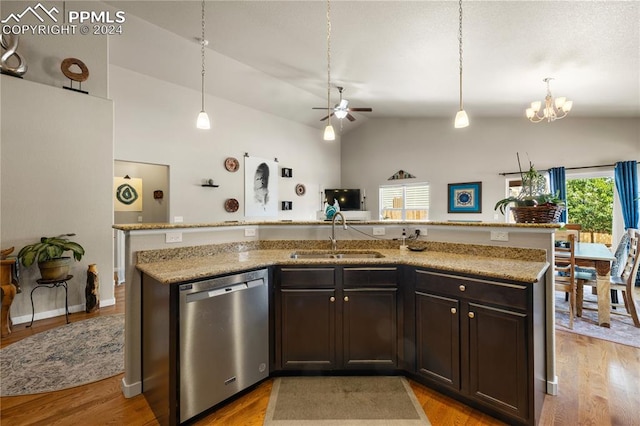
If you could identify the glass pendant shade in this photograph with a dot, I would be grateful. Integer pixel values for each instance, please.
(341, 113)
(329, 133)
(203, 121)
(461, 119)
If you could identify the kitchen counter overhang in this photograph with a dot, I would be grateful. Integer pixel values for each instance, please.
(495, 266)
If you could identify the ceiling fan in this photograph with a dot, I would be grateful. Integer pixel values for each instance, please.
(341, 110)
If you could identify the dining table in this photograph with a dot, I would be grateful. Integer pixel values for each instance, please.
(599, 257)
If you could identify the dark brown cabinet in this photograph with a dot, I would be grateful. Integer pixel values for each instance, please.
(331, 318)
(370, 317)
(475, 338)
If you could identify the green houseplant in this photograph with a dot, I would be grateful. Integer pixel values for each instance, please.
(534, 204)
(48, 253)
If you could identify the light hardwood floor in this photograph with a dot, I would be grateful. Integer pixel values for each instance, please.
(599, 385)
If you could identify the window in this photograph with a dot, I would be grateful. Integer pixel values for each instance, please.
(404, 202)
(590, 202)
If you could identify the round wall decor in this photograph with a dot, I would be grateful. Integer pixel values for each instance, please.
(66, 65)
(231, 164)
(300, 189)
(231, 205)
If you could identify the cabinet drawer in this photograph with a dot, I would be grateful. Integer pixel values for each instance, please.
(370, 276)
(506, 294)
(307, 277)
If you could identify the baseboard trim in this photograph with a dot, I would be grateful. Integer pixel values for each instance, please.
(129, 391)
(58, 312)
(552, 386)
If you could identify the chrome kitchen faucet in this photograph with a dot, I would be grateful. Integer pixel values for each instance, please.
(334, 242)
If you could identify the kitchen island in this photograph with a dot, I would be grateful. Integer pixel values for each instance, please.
(244, 245)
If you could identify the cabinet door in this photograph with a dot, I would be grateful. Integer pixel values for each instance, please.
(437, 339)
(498, 362)
(308, 329)
(370, 328)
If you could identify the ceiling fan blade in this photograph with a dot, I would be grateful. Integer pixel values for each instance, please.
(361, 109)
(322, 119)
(325, 108)
(351, 117)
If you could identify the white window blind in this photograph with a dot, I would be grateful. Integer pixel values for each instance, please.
(404, 202)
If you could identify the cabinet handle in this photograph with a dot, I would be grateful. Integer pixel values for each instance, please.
(332, 299)
(462, 288)
(471, 315)
(346, 298)
(453, 310)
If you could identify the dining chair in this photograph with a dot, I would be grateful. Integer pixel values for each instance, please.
(624, 282)
(574, 227)
(565, 270)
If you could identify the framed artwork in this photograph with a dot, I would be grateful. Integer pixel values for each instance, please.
(287, 205)
(465, 197)
(127, 193)
(287, 173)
(260, 187)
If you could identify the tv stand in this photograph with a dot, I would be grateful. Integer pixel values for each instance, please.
(348, 215)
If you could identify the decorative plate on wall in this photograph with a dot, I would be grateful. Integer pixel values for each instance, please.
(300, 189)
(231, 164)
(231, 205)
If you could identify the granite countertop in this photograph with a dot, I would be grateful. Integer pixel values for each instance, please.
(158, 226)
(490, 264)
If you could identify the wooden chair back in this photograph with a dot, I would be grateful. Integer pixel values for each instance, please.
(565, 271)
(626, 281)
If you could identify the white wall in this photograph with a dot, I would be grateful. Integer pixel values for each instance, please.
(435, 152)
(155, 123)
(57, 173)
(45, 53)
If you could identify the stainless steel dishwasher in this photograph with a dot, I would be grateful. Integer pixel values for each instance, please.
(223, 339)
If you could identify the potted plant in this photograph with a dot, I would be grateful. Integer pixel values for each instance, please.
(48, 253)
(534, 204)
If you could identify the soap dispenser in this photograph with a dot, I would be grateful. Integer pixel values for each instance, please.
(404, 246)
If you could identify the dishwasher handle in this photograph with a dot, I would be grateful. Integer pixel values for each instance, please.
(208, 294)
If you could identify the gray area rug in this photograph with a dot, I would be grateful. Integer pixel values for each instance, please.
(622, 329)
(71, 355)
(347, 401)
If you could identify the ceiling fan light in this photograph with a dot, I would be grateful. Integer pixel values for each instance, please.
(341, 113)
(203, 121)
(461, 120)
(329, 133)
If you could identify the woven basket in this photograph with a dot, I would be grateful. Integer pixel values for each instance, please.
(537, 214)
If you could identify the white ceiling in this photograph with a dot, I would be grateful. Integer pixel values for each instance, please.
(401, 57)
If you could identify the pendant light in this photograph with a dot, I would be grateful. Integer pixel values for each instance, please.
(203, 119)
(329, 133)
(461, 117)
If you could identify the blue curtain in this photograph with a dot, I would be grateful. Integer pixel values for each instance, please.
(558, 184)
(626, 178)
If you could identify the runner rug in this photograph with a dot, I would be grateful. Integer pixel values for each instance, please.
(70, 355)
(344, 401)
(622, 329)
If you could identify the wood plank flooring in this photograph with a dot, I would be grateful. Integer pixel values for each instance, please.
(599, 385)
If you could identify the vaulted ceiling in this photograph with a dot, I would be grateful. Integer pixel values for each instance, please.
(401, 57)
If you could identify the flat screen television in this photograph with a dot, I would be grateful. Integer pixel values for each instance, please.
(348, 199)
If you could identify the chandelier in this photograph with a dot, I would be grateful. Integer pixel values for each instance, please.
(553, 110)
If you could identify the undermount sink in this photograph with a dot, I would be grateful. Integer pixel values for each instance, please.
(335, 255)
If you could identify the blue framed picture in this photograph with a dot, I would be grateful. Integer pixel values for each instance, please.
(465, 197)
